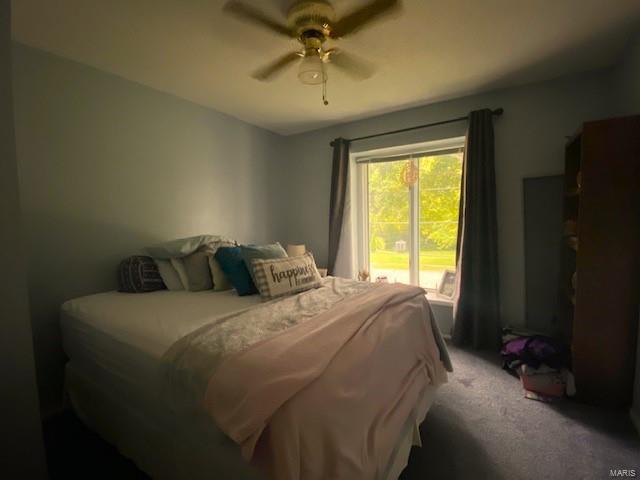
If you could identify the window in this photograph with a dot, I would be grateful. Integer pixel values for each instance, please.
(409, 203)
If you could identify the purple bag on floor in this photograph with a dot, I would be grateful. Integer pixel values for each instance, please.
(534, 351)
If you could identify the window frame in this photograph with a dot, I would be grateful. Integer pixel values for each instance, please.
(361, 160)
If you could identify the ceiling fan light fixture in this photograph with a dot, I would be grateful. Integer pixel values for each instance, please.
(312, 70)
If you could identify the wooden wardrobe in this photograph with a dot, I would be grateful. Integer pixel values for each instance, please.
(600, 271)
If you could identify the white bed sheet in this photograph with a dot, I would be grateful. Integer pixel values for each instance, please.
(126, 334)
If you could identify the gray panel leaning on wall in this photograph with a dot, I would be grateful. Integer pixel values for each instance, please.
(542, 198)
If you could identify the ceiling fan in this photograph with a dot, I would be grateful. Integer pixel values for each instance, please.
(312, 23)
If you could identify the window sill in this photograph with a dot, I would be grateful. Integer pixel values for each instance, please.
(435, 299)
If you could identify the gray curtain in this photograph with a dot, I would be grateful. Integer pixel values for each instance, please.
(339, 179)
(477, 307)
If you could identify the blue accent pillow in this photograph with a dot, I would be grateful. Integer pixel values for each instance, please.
(232, 264)
(265, 252)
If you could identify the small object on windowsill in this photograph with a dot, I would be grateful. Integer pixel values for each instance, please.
(363, 275)
(382, 279)
(322, 272)
(447, 286)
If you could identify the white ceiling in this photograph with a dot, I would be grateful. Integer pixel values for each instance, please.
(434, 49)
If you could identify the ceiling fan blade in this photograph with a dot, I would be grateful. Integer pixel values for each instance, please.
(269, 71)
(363, 16)
(251, 14)
(352, 65)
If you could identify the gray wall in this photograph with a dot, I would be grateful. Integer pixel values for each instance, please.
(626, 81)
(530, 139)
(21, 450)
(108, 166)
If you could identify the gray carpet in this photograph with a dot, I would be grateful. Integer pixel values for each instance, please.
(481, 427)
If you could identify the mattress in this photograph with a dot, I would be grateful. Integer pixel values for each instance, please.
(123, 336)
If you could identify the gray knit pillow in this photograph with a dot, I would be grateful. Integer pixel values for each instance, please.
(139, 274)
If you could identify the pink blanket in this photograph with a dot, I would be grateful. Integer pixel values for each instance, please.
(328, 398)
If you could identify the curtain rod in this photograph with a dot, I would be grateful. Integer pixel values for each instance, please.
(497, 111)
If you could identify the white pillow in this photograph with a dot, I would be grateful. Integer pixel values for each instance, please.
(169, 275)
(194, 271)
(277, 277)
(169, 257)
(220, 280)
(182, 247)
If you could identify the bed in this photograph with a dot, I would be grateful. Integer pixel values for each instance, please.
(126, 375)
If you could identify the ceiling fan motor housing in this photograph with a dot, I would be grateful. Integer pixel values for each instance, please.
(311, 20)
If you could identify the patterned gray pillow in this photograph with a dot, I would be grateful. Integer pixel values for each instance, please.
(139, 274)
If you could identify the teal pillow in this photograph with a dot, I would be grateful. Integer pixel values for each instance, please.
(234, 268)
(265, 252)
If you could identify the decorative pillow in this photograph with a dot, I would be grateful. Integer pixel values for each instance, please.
(169, 275)
(266, 252)
(194, 271)
(220, 280)
(230, 260)
(283, 276)
(139, 274)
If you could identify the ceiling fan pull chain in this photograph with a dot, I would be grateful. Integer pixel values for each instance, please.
(324, 91)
